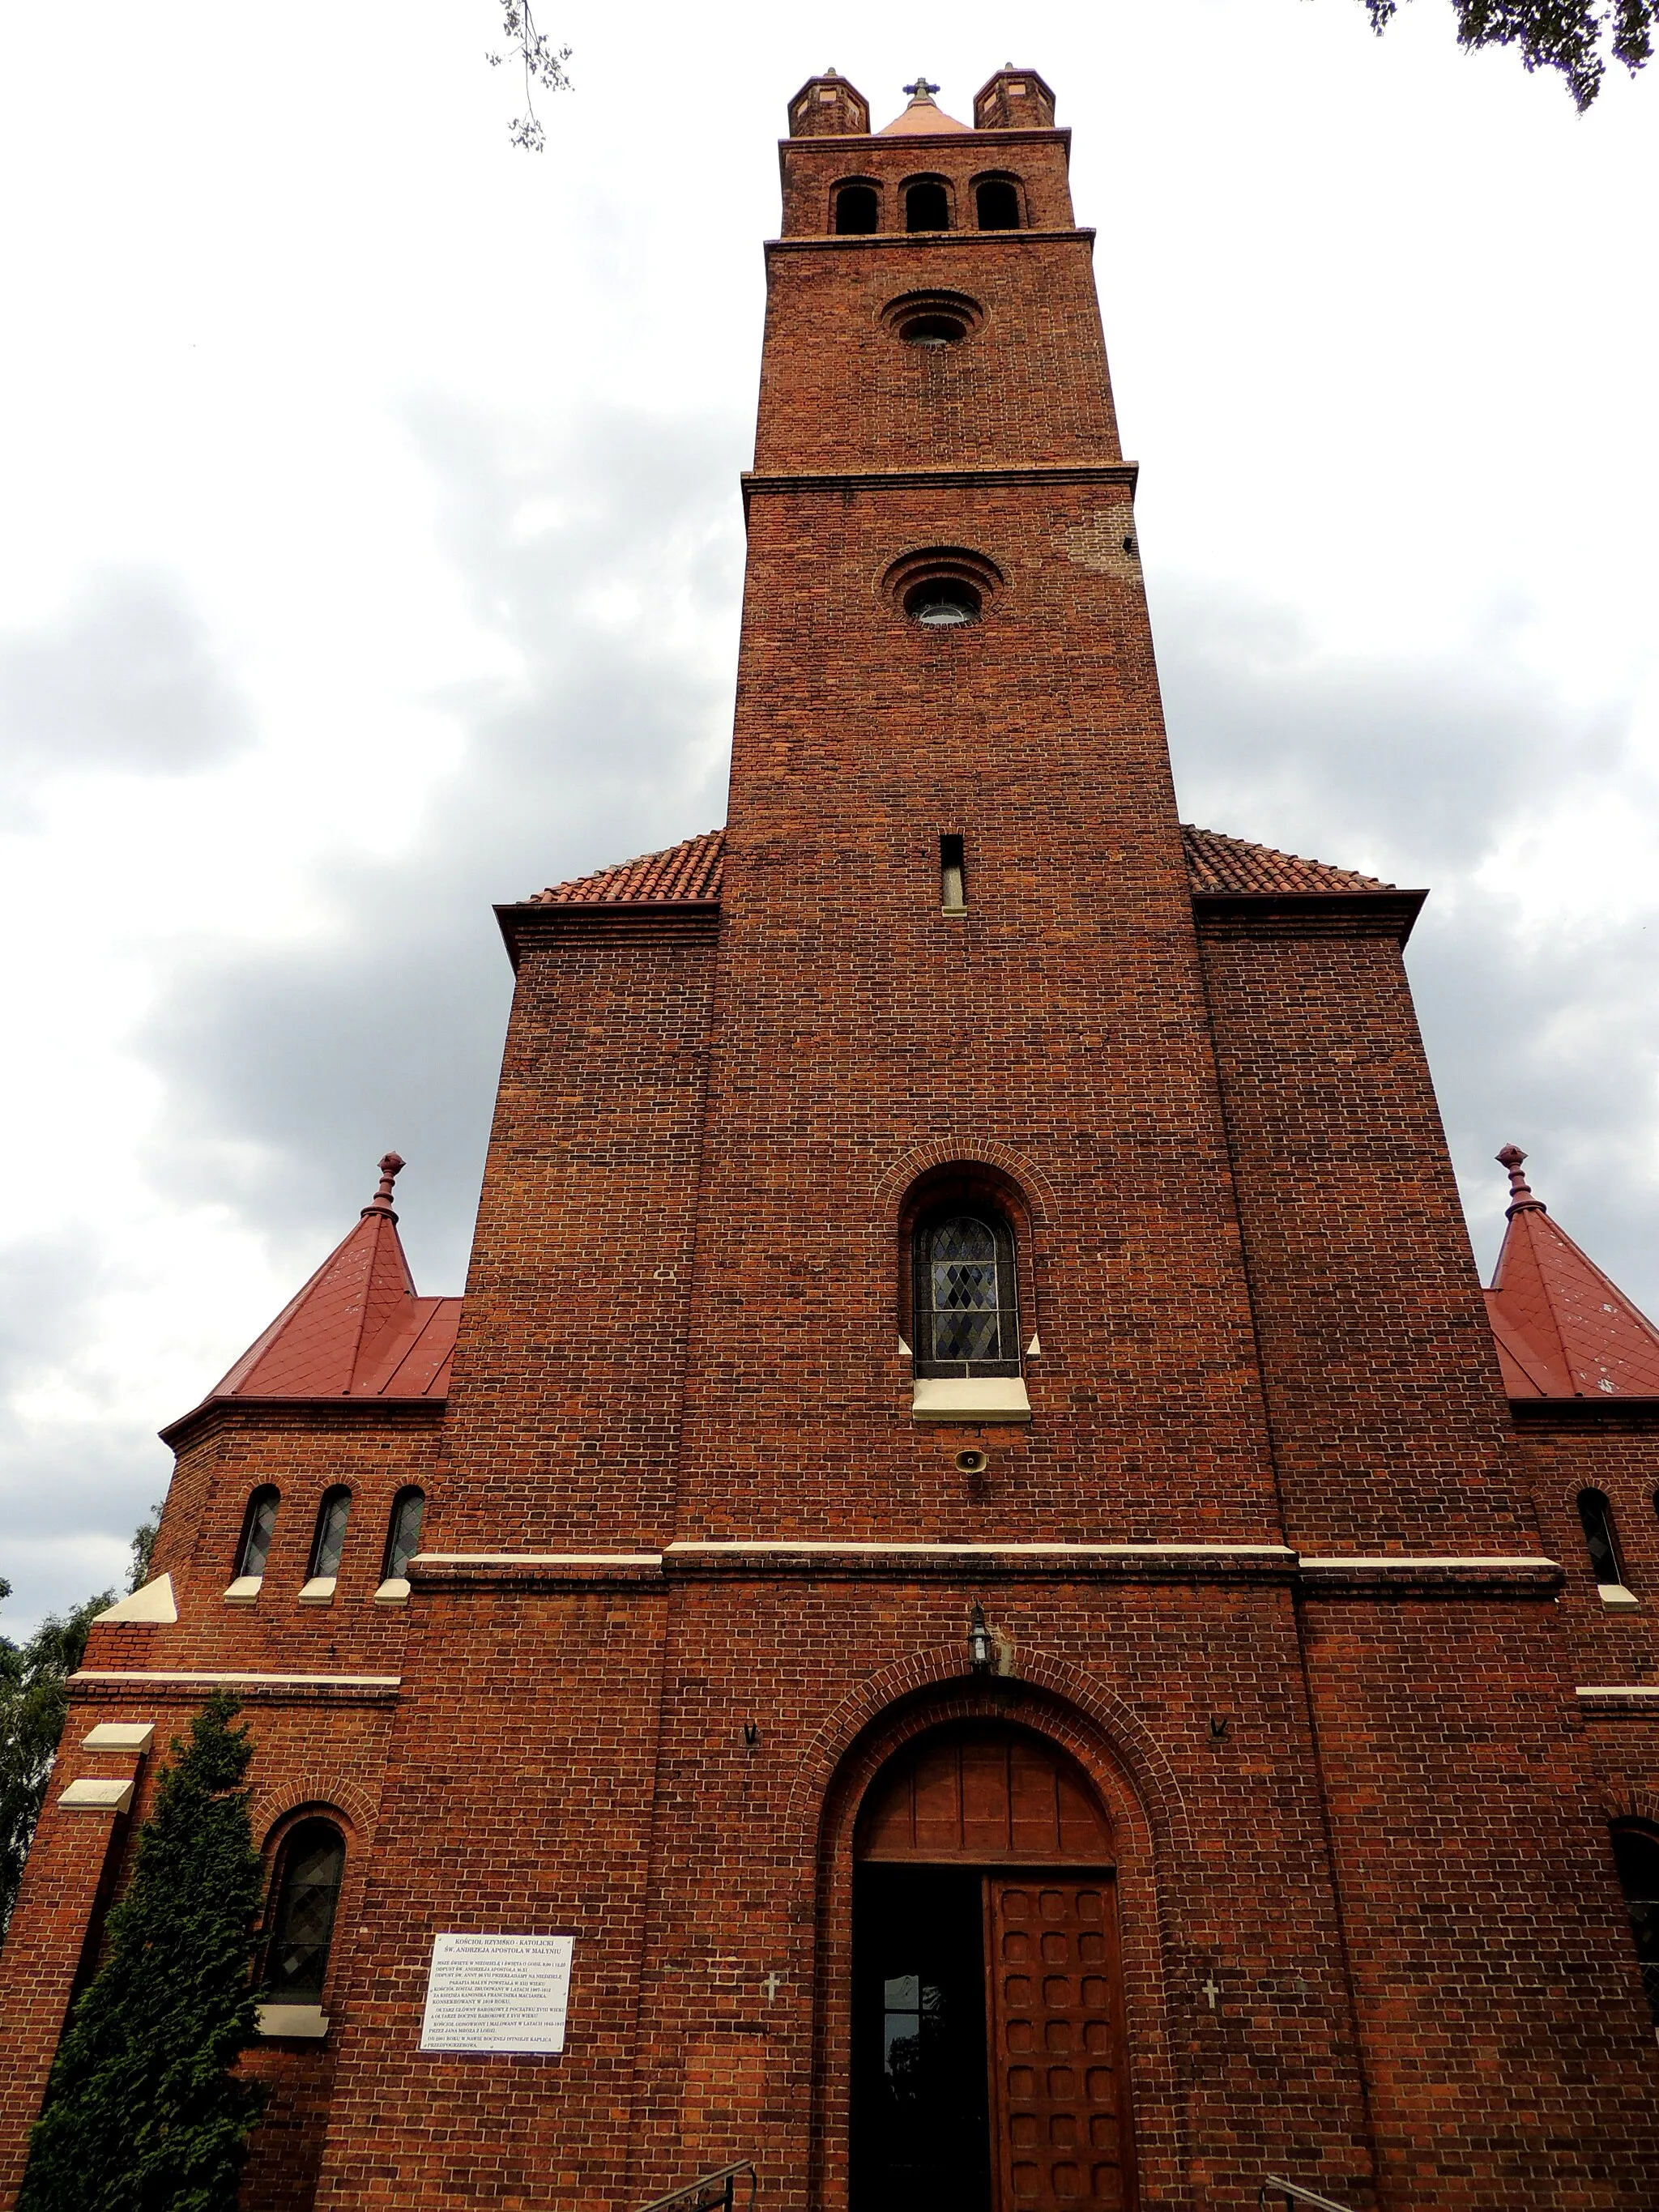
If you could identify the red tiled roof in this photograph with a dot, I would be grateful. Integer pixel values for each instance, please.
(1219, 864)
(691, 871)
(1563, 1330)
(357, 1330)
(1215, 865)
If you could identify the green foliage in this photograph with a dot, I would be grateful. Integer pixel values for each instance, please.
(143, 1543)
(33, 1701)
(1568, 35)
(142, 2113)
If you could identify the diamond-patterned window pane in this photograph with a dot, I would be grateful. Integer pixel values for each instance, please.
(965, 1291)
(313, 1863)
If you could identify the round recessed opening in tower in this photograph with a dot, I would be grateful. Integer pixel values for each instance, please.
(943, 586)
(933, 319)
(943, 602)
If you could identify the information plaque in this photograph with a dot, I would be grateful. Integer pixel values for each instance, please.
(497, 1993)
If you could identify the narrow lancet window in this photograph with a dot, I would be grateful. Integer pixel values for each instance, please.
(952, 884)
(1602, 1543)
(259, 1527)
(328, 1541)
(403, 1536)
(306, 1892)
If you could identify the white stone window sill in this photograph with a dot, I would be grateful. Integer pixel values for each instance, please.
(244, 1590)
(969, 1398)
(394, 1590)
(320, 1591)
(1616, 1595)
(309, 2021)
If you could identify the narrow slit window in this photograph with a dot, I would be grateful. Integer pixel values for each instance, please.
(1600, 1541)
(328, 1541)
(403, 1534)
(952, 883)
(259, 1527)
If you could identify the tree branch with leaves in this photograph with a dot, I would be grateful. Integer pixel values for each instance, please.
(543, 63)
(1575, 37)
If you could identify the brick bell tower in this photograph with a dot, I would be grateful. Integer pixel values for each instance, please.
(978, 1562)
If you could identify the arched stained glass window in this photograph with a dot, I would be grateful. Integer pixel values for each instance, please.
(967, 1312)
(259, 1527)
(403, 1537)
(306, 1892)
(1636, 1852)
(328, 1541)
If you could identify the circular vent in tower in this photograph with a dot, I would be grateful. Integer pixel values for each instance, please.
(943, 587)
(933, 319)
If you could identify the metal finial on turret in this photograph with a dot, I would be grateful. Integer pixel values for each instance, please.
(1520, 1197)
(382, 1202)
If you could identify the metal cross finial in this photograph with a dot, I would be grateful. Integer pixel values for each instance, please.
(921, 89)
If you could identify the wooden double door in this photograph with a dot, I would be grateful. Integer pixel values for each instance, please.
(988, 2046)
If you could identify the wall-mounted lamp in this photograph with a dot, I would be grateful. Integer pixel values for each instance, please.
(981, 1646)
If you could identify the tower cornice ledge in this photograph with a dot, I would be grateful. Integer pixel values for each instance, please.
(1308, 913)
(882, 241)
(945, 479)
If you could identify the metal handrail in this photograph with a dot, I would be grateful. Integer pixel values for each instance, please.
(1294, 2194)
(724, 2184)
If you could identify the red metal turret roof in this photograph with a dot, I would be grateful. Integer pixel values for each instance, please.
(357, 1329)
(1563, 1329)
(1215, 865)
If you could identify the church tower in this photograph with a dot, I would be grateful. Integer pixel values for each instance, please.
(963, 1617)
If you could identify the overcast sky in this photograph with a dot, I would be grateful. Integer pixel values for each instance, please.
(372, 550)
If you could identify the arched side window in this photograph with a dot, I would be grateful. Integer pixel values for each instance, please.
(1636, 1853)
(996, 203)
(402, 1540)
(304, 1895)
(327, 1546)
(1602, 1543)
(927, 204)
(254, 1547)
(858, 210)
(966, 1298)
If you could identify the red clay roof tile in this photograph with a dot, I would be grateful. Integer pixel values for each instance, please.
(357, 1329)
(1215, 863)
(1563, 1329)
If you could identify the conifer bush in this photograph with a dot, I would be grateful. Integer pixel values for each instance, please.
(142, 2113)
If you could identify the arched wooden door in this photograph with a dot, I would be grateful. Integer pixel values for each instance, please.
(988, 2020)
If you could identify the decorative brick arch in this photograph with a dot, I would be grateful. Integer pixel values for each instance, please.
(1630, 1802)
(1117, 1732)
(971, 1149)
(322, 1793)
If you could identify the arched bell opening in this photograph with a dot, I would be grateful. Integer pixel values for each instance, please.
(987, 2052)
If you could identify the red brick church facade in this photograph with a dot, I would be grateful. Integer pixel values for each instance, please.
(973, 1540)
